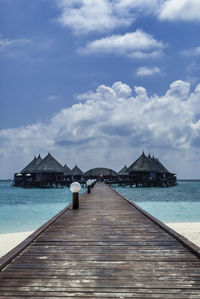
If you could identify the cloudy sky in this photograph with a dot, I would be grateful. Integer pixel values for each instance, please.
(96, 82)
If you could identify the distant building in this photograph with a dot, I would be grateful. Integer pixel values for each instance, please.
(77, 173)
(123, 173)
(67, 171)
(49, 173)
(148, 171)
(32, 165)
(100, 174)
(41, 173)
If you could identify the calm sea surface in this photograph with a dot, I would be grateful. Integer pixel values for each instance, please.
(27, 209)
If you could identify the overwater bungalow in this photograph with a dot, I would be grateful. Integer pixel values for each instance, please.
(67, 170)
(149, 172)
(42, 173)
(25, 177)
(67, 176)
(101, 174)
(123, 174)
(32, 165)
(49, 173)
(77, 174)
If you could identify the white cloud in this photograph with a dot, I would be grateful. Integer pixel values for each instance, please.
(184, 10)
(128, 6)
(122, 90)
(140, 92)
(52, 98)
(136, 44)
(179, 89)
(192, 52)
(84, 16)
(112, 127)
(6, 43)
(147, 71)
(25, 49)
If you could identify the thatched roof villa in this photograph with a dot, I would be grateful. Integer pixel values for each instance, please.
(145, 171)
(147, 164)
(67, 170)
(41, 173)
(32, 165)
(106, 173)
(149, 171)
(76, 171)
(48, 165)
(123, 171)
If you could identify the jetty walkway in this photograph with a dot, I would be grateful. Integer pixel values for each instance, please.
(108, 248)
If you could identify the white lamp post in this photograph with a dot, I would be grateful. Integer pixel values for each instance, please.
(89, 183)
(75, 188)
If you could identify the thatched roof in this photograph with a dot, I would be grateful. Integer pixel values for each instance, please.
(49, 165)
(123, 171)
(160, 166)
(67, 170)
(147, 164)
(100, 171)
(33, 164)
(76, 171)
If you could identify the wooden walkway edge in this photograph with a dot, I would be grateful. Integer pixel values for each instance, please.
(195, 249)
(109, 248)
(12, 254)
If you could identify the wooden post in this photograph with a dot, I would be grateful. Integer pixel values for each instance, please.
(89, 189)
(75, 201)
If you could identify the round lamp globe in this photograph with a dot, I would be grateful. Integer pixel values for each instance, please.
(75, 187)
(89, 182)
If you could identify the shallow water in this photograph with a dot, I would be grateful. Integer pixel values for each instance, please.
(180, 203)
(27, 209)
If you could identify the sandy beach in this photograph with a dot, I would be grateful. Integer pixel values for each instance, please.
(9, 241)
(191, 231)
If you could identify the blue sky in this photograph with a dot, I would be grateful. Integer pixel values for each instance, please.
(96, 82)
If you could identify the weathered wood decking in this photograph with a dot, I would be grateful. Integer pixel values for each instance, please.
(106, 249)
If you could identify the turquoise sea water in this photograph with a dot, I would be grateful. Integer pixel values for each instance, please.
(180, 203)
(27, 209)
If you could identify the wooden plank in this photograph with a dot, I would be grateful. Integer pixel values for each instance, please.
(88, 282)
(97, 273)
(188, 244)
(139, 294)
(11, 255)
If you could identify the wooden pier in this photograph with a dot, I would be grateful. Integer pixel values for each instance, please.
(107, 249)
